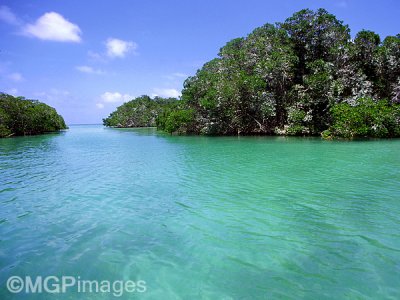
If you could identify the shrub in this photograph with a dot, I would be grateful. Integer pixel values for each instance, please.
(366, 118)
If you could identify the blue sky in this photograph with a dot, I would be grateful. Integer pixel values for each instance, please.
(87, 57)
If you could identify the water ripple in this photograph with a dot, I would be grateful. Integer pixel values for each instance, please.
(197, 217)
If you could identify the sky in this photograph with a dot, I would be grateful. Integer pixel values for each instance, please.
(85, 58)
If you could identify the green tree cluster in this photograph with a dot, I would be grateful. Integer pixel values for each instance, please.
(142, 111)
(20, 116)
(300, 77)
(367, 118)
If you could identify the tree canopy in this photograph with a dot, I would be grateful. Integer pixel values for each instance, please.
(142, 111)
(20, 116)
(304, 76)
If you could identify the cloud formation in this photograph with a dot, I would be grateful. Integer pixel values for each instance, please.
(181, 75)
(54, 96)
(342, 3)
(119, 48)
(89, 70)
(166, 93)
(176, 76)
(110, 97)
(95, 57)
(7, 16)
(12, 92)
(53, 27)
(15, 76)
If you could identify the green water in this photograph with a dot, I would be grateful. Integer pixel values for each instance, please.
(202, 217)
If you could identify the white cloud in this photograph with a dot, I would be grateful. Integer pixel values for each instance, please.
(100, 105)
(110, 97)
(15, 76)
(53, 96)
(95, 57)
(176, 76)
(115, 48)
(166, 93)
(58, 92)
(53, 27)
(7, 16)
(89, 70)
(119, 48)
(342, 3)
(181, 75)
(12, 92)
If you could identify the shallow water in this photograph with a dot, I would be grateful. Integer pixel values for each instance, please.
(202, 217)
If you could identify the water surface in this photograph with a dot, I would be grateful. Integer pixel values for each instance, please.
(202, 217)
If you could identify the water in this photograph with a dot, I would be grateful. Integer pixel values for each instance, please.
(202, 217)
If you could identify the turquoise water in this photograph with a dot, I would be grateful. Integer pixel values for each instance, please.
(202, 217)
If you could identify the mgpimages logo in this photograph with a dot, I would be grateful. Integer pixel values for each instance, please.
(65, 284)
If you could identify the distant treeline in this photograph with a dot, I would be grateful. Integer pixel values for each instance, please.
(305, 76)
(20, 116)
(141, 112)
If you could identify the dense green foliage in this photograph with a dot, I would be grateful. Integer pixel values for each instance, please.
(300, 77)
(140, 112)
(174, 120)
(367, 118)
(20, 116)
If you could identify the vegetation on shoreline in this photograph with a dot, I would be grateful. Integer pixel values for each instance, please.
(142, 111)
(305, 76)
(20, 116)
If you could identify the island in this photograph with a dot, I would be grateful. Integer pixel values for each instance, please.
(305, 76)
(20, 116)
